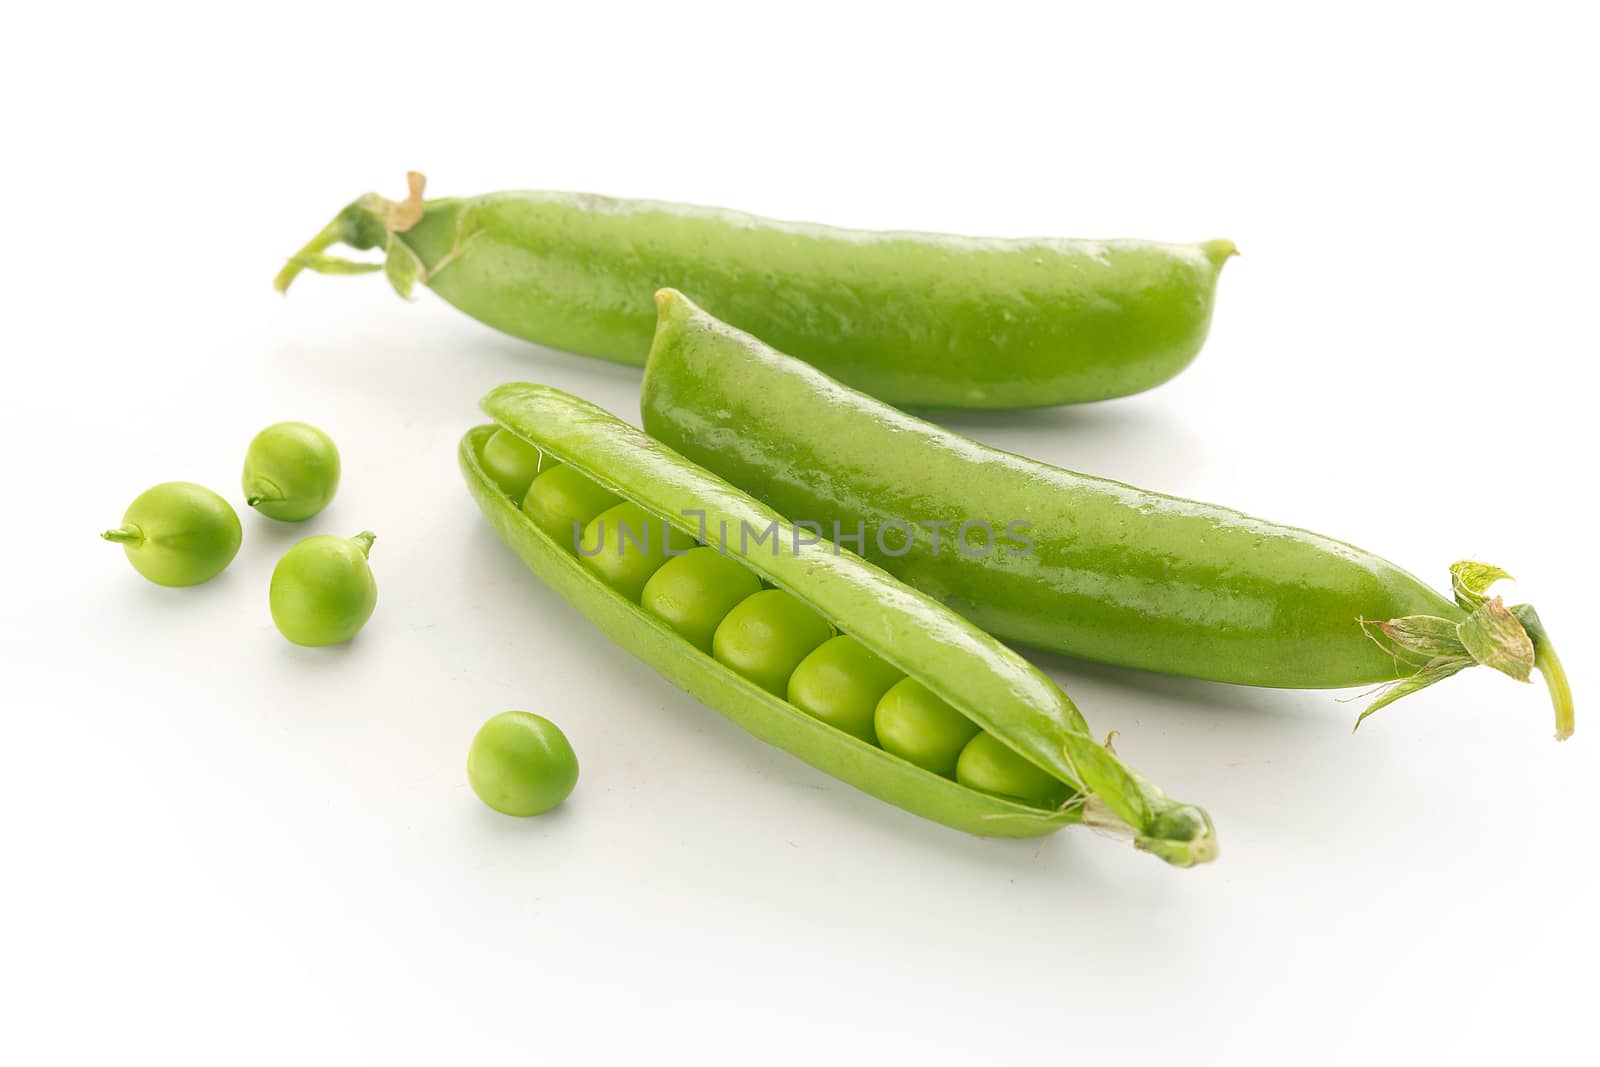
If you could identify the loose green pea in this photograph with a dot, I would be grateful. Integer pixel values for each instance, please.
(562, 502)
(291, 471)
(917, 726)
(323, 591)
(766, 636)
(521, 764)
(841, 682)
(626, 544)
(987, 764)
(693, 592)
(511, 462)
(178, 533)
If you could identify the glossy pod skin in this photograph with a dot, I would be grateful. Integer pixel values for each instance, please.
(1102, 570)
(913, 318)
(997, 689)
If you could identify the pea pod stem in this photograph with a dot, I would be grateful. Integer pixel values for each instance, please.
(331, 234)
(1548, 664)
(1555, 679)
(364, 540)
(1510, 640)
(369, 221)
(128, 534)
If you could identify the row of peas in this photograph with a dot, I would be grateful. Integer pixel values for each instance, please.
(764, 634)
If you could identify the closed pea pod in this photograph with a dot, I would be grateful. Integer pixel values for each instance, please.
(907, 630)
(1079, 565)
(915, 318)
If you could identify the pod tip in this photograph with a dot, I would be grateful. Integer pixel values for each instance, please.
(1219, 250)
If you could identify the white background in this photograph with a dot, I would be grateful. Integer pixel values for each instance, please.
(220, 848)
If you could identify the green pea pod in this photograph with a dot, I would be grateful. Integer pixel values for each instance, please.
(1057, 560)
(916, 319)
(981, 678)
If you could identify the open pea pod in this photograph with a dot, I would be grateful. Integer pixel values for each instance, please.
(987, 682)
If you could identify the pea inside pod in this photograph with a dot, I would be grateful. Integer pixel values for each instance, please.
(841, 683)
(562, 501)
(513, 464)
(766, 636)
(987, 764)
(694, 592)
(917, 726)
(839, 594)
(625, 545)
